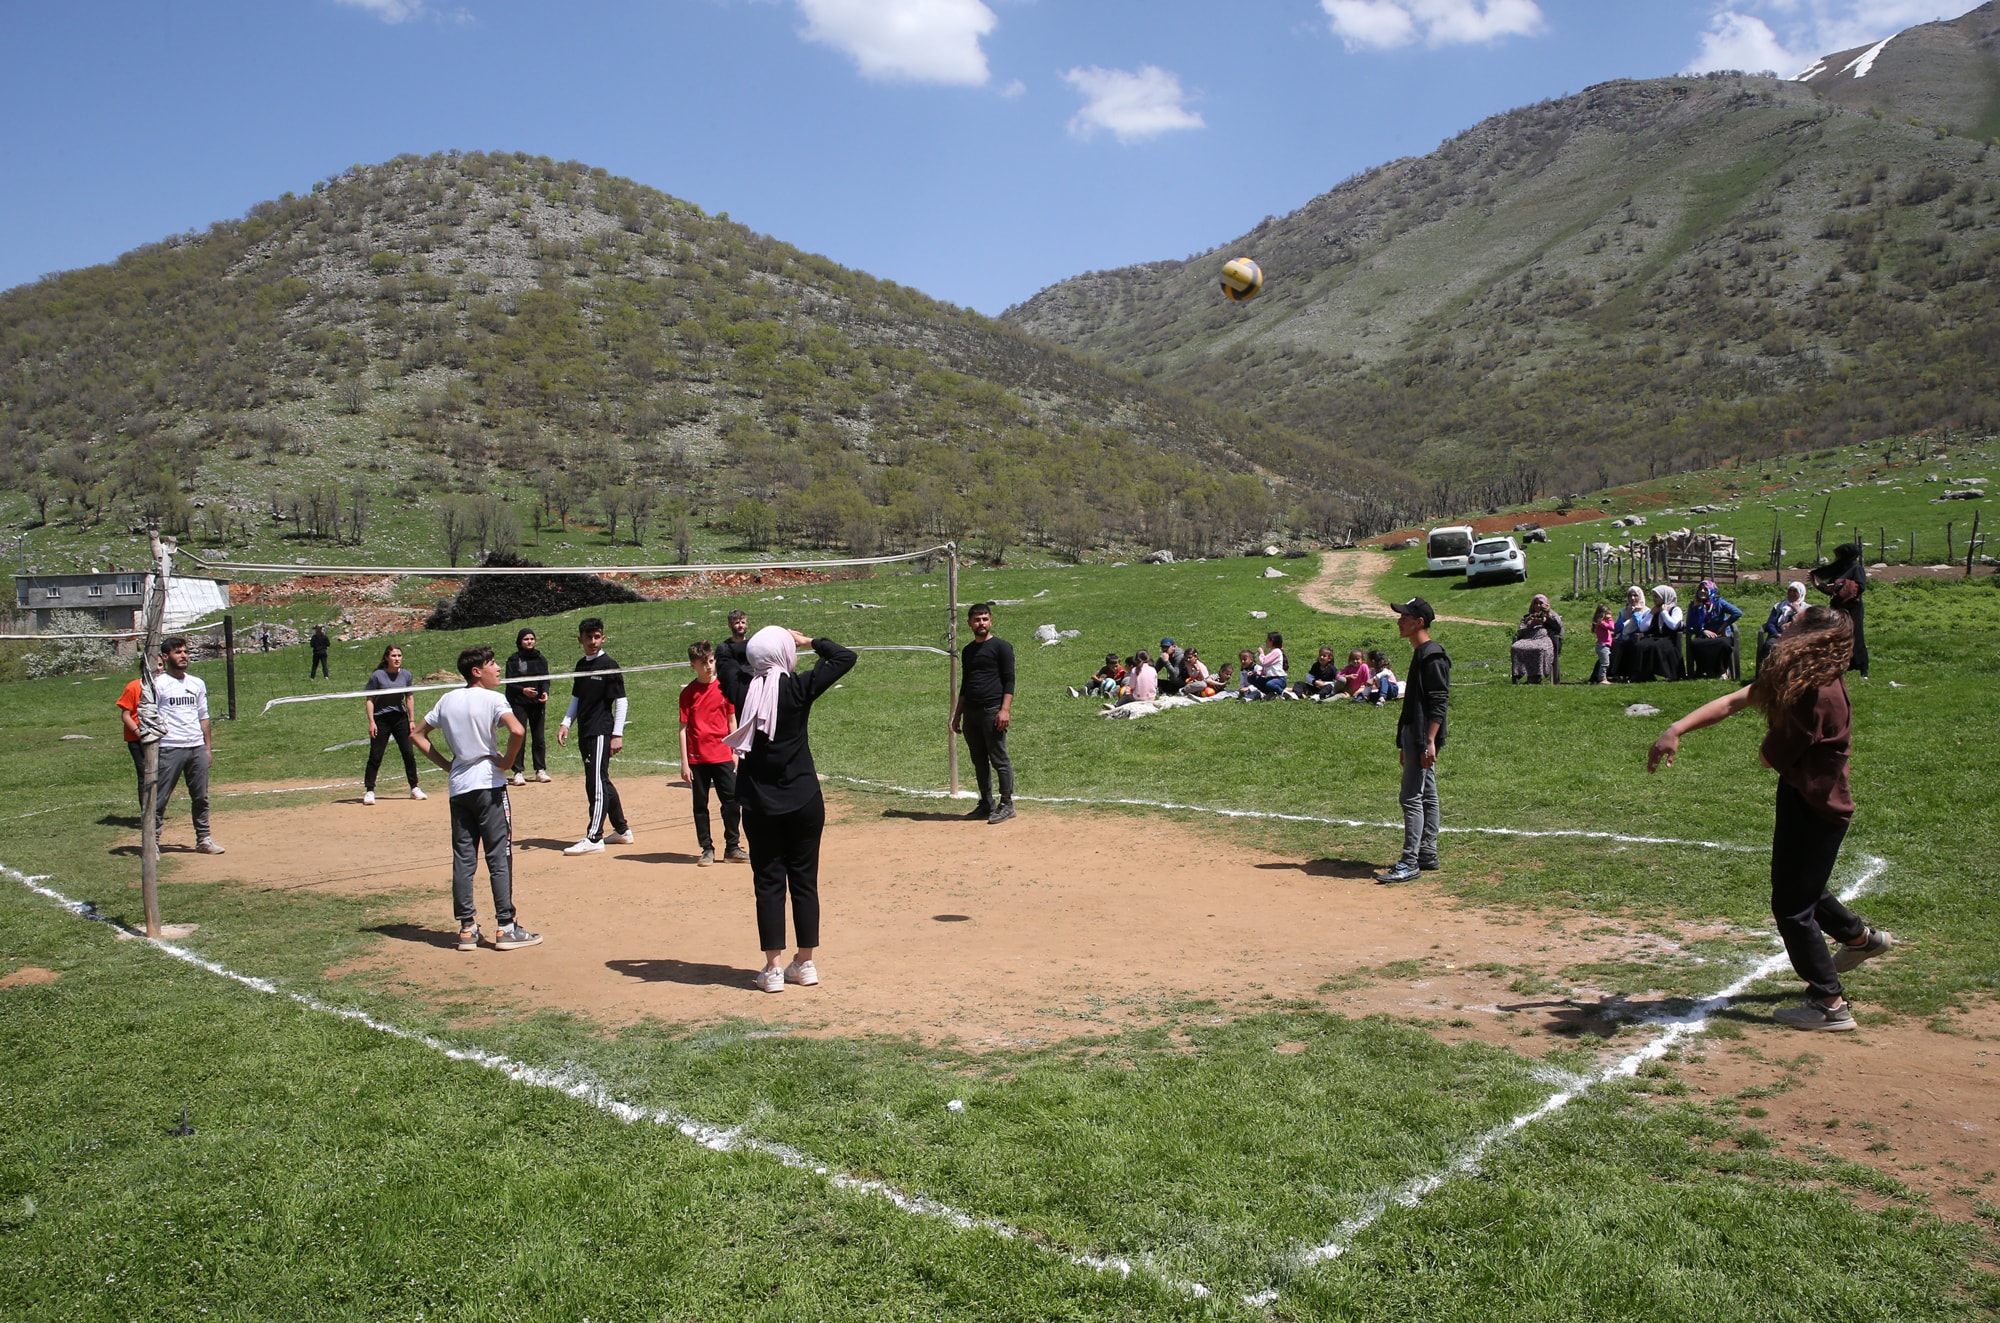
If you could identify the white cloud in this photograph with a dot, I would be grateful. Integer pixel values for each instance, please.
(917, 41)
(389, 11)
(1386, 24)
(1132, 106)
(1790, 36)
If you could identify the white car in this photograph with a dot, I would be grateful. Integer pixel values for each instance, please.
(1446, 549)
(1496, 558)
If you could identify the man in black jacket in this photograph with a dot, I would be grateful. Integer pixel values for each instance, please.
(983, 710)
(1420, 734)
(732, 660)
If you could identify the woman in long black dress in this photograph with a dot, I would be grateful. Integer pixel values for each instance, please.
(783, 812)
(1844, 581)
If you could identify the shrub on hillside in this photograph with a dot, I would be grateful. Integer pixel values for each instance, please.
(495, 599)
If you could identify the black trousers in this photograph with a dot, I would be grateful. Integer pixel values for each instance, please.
(784, 858)
(722, 777)
(138, 752)
(597, 787)
(533, 716)
(1804, 846)
(393, 724)
(989, 752)
(319, 667)
(1860, 663)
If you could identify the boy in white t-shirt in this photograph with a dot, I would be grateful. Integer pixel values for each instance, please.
(186, 743)
(479, 809)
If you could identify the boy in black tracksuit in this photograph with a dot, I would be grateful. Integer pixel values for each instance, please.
(597, 708)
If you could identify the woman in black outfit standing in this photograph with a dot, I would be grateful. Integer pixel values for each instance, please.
(1844, 581)
(388, 707)
(783, 812)
(529, 702)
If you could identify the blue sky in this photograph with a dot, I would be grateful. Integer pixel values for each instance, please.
(975, 149)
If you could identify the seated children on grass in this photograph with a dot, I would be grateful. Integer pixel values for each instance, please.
(1353, 678)
(1269, 668)
(1383, 686)
(1246, 675)
(1144, 685)
(1322, 677)
(1107, 680)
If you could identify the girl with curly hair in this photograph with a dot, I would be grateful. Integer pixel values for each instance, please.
(1808, 733)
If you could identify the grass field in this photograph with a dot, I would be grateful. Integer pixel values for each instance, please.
(337, 1171)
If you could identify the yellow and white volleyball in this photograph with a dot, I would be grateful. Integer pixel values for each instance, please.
(1241, 278)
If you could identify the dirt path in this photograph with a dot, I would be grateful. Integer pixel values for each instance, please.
(1346, 583)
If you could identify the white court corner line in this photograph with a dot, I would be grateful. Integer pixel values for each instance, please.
(575, 1084)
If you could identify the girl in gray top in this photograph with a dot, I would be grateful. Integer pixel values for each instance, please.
(389, 717)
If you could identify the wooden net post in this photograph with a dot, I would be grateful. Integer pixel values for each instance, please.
(149, 832)
(951, 663)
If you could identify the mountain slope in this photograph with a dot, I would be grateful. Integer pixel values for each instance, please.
(499, 341)
(1643, 277)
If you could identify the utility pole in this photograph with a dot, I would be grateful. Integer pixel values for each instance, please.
(951, 663)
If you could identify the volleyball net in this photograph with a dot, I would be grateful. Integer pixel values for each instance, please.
(660, 611)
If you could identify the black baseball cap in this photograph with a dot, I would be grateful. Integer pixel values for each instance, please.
(1417, 607)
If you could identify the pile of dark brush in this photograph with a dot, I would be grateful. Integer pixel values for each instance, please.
(495, 599)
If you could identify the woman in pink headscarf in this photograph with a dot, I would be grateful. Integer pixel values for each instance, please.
(783, 813)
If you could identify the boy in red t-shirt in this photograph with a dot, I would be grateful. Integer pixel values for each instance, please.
(706, 717)
(128, 716)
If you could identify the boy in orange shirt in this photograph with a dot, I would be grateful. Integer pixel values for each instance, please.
(128, 716)
(706, 717)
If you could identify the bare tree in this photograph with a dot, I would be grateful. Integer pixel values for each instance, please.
(641, 513)
(611, 498)
(453, 527)
(683, 539)
(358, 501)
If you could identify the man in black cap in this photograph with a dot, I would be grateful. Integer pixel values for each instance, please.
(1420, 733)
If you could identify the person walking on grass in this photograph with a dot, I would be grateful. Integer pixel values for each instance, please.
(480, 814)
(732, 660)
(597, 707)
(389, 718)
(320, 645)
(187, 745)
(530, 702)
(1808, 733)
(784, 814)
(706, 761)
(1420, 736)
(983, 710)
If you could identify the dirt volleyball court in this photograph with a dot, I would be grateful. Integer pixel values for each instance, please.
(1065, 923)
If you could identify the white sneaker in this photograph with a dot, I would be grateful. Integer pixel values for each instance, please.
(518, 780)
(802, 973)
(417, 792)
(625, 837)
(770, 980)
(207, 845)
(585, 846)
(368, 796)
(543, 777)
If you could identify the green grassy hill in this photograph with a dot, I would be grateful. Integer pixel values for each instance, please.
(511, 344)
(1642, 278)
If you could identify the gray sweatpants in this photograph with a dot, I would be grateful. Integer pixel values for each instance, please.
(481, 818)
(1420, 802)
(191, 763)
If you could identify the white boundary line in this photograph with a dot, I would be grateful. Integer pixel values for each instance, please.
(1270, 816)
(574, 1083)
(1678, 1029)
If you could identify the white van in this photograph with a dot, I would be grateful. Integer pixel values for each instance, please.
(1448, 549)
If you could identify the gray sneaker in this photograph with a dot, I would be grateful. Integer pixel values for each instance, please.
(468, 937)
(1847, 957)
(513, 937)
(1811, 1015)
(707, 859)
(736, 854)
(1001, 813)
(1400, 873)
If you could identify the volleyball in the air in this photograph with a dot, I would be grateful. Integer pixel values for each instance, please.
(1241, 278)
